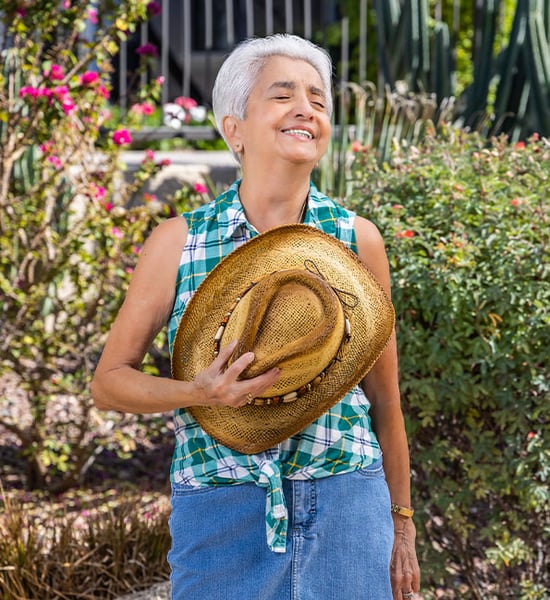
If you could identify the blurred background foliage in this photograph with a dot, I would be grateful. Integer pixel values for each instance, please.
(491, 56)
(467, 232)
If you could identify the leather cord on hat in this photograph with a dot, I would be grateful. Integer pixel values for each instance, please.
(343, 295)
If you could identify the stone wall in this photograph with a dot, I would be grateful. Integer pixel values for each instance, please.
(186, 166)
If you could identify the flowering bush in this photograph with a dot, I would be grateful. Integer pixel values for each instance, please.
(68, 241)
(467, 233)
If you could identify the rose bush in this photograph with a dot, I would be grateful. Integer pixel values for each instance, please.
(467, 232)
(68, 240)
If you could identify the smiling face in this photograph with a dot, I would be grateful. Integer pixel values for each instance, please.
(286, 115)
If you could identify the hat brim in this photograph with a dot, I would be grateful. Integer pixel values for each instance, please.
(252, 429)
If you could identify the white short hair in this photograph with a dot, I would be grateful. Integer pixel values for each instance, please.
(237, 75)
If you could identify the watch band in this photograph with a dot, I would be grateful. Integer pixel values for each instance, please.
(402, 510)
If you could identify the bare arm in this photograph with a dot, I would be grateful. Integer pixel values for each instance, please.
(118, 382)
(381, 386)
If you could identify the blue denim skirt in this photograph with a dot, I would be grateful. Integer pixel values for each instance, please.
(340, 537)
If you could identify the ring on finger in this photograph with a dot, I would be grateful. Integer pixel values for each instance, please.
(408, 594)
(250, 398)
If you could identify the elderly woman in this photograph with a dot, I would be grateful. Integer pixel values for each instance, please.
(346, 520)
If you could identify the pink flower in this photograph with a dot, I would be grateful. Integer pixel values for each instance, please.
(200, 188)
(185, 102)
(116, 232)
(154, 8)
(520, 146)
(68, 105)
(356, 146)
(103, 91)
(55, 161)
(397, 207)
(147, 197)
(66, 4)
(136, 249)
(46, 147)
(146, 108)
(98, 191)
(122, 137)
(149, 157)
(160, 80)
(147, 50)
(108, 206)
(92, 15)
(165, 162)
(89, 78)
(407, 233)
(516, 202)
(60, 91)
(28, 90)
(55, 73)
(129, 270)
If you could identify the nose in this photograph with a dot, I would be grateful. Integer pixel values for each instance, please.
(303, 108)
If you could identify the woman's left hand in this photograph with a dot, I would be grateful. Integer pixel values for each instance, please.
(404, 569)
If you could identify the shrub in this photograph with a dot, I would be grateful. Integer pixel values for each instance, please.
(466, 226)
(93, 552)
(68, 239)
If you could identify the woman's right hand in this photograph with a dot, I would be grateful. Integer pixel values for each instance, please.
(218, 384)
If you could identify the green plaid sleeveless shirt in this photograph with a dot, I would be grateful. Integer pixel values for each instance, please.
(340, 441)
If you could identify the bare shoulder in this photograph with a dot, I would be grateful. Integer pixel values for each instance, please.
(156, 269)
(371, 249)
(149, 298)
(368, 235)
(170, 235)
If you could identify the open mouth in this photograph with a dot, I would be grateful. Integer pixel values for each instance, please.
(299, 132)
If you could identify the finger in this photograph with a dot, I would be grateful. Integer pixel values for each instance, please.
(237, 367)
(264, 381)
(225, 352)
(416, 578)
(246, 394)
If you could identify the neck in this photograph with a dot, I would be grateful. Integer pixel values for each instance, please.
(273, 201)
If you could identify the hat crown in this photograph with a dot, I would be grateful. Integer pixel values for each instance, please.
(290, 319)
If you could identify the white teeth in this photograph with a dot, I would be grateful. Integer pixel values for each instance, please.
(301, 132)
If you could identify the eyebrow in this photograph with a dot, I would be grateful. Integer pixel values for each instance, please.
(290, 85)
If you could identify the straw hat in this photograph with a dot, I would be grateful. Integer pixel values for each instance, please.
(300, 300)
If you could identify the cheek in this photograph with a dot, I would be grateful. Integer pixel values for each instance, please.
(325, 138)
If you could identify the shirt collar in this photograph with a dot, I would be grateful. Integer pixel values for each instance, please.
(230, 213)
(231, 216)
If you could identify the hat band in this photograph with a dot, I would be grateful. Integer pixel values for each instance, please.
(302, 390)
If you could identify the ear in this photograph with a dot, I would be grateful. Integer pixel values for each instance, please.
(231, 131)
